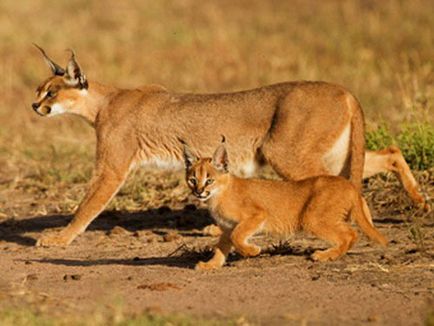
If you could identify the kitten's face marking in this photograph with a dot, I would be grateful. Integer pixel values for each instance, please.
(203, 179)
(203, 173)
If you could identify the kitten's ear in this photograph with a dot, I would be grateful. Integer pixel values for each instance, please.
(220, 157)
(189, 157)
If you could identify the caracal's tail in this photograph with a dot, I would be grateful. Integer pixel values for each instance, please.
(357, 143)
(363, 218)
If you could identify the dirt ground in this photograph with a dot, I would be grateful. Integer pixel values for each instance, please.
(137, 258)
(144, 260)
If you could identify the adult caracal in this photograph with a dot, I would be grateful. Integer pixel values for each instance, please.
(319, 205)
(302, 129)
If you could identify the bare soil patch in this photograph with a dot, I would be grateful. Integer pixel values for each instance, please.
(145, 260)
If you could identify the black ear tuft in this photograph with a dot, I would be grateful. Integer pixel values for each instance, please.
(55, 68)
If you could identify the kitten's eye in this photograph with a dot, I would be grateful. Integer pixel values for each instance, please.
(193, 181)
(209, 181)
(50, 94)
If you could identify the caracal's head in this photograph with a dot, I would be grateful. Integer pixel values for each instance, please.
(206, 176)
(60, 92)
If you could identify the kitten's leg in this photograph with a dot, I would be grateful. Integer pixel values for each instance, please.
(327, 222)
(243, 231)
(340, 234)
(221, 251)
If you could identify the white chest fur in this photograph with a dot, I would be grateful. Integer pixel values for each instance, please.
(223, 222)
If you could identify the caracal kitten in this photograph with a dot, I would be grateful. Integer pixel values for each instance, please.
(243, 207)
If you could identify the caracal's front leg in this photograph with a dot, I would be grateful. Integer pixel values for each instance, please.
(111, 170)
(221, 251)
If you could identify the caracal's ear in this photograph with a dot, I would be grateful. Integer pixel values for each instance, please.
(55, 68)
(189, 157)
(74, 75)
(220, 157)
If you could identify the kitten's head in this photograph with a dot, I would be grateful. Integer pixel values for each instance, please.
(204, 175)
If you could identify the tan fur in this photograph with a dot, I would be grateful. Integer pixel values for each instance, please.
(290, 125)
(391, 160)
(243, 207)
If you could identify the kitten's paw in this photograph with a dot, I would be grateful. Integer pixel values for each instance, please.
(324, 255)
(250, 251)
(58, 239)
(203, 266)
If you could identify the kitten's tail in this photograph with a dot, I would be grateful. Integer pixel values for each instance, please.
(362, 216)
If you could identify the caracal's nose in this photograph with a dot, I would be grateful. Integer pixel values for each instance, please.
(35, 106)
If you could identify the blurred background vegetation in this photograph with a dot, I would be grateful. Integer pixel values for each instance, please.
(380, 50)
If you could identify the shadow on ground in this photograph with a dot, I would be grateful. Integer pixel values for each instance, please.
(189, 218)
(185, 258)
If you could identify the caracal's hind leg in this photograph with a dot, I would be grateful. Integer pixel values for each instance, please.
(391, 160)
(290, 164)
(112, 167)
(243, 231)
(221, 251)
(310, 133)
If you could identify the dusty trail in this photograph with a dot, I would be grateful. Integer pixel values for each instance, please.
(145, 260)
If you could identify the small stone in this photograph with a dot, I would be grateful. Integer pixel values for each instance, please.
(32, 277)
(373, 318)
(142, 233)
(212, 230)
(74, 277)
(118, 230)
(171, 236)
(162, 286)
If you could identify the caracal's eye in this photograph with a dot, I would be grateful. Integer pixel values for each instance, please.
(209, 181)
(192, 181)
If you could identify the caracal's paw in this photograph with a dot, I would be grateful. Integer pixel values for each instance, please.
(206, 266)
(59, 239)
(324, 255)
(250, 251)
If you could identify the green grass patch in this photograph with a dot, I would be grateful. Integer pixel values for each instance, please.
(416, 141)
